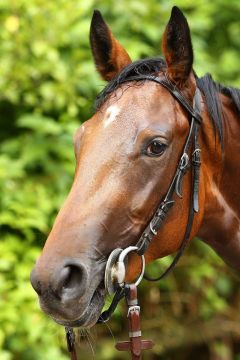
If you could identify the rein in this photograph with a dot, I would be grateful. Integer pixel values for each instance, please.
(116, 265)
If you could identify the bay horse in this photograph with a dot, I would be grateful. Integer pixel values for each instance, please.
(126, 157)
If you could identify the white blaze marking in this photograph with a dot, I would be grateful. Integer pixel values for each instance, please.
(111, 115)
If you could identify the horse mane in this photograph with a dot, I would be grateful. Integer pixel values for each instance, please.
(206, 84)
(211, 91)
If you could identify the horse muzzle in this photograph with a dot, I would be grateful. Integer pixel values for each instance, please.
(73, 295)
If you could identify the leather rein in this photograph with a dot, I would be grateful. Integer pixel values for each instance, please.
(116, 265)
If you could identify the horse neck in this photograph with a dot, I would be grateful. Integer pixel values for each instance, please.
(220, 178)
(229, 184)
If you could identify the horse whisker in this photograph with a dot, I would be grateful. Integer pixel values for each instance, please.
(110, 331)
(88, 337)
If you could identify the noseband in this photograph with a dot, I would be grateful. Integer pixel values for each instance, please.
(116, 265)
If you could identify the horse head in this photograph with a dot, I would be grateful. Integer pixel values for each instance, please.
(126, 157)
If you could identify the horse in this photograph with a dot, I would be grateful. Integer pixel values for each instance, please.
(126, 156)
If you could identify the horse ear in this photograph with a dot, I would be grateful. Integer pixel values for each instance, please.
(109, 55)
(177, 48)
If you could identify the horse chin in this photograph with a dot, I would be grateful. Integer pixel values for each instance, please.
(91, 314)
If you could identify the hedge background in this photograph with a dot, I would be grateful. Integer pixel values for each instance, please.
(47, 87)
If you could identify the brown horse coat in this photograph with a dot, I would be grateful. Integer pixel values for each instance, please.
(119, 181)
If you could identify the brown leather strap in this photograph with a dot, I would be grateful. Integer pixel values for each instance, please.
(135, 344)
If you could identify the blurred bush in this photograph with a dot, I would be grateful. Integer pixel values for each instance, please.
(47, 86)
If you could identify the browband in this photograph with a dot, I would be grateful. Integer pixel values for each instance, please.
(172, 89)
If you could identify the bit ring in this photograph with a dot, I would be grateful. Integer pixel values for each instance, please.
(116, 270)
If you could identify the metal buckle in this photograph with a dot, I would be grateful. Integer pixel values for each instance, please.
(184, 161)
(133, 308)
(152, 229)
(196, 156)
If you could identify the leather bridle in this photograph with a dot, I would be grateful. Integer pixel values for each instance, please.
(190, 158)
(175, 187)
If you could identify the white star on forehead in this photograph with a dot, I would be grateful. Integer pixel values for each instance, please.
(111, 115)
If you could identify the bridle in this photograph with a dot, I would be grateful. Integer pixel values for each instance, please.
(116, 264)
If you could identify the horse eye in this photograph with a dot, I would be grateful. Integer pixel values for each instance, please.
(155, 148)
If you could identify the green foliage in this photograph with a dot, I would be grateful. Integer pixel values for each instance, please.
(47, 86)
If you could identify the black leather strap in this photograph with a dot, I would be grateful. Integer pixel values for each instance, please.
(175, 186)
(119, 295)
(194, 201)
(70, 337)
(196, 156)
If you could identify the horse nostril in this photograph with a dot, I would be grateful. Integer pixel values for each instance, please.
(71, 282)
(35, 282)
